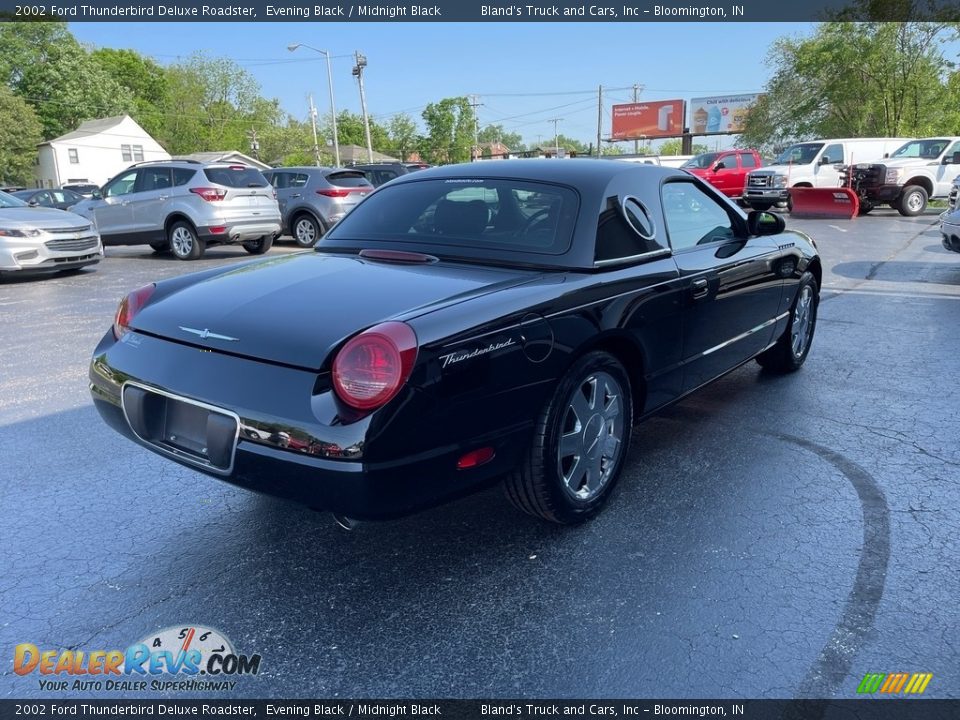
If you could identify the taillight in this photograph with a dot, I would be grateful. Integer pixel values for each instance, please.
(209, 194)
(129, 307)
(330, 192)
(372, 367)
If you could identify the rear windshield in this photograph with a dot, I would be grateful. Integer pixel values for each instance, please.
(499, 216)
(236, 176)
(353, 178)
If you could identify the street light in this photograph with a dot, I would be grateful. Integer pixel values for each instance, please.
(333, 109)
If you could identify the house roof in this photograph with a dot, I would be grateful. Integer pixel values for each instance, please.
(91, 127)
(226, 156)
(355, 154)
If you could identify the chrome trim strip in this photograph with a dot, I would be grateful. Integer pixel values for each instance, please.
(665, 252)
(741, 336)
(173, 452)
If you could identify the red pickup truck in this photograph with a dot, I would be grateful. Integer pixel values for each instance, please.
(726, 170)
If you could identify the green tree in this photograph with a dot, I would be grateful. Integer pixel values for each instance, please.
(45, 65)
(856, 79)
(20, 133)
(450, 126)
(404, 138)
(496, 133)
(144, 78)
(674, 146)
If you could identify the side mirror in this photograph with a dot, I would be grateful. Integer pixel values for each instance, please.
(886, 155)
(955, 160)
(765, 223)
(825, 160)
(719, 166)
(96, 195)
(33, 203)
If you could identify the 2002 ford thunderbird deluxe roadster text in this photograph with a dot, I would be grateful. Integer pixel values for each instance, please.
(463, 324)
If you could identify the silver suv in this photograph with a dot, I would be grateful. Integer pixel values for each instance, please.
(183, 206)
(313, 199)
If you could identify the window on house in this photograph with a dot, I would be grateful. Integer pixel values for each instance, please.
(74, 156)
(126, 152)
(138, 153)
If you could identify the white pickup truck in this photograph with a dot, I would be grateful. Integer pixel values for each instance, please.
(919, 171)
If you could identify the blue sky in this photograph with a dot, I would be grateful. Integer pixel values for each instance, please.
(523, 73)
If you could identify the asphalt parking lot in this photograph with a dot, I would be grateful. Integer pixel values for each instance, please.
(772, 536)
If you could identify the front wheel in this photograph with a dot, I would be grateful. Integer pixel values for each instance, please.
(865, 208)
(792, 348)
(184, 242)
(579, 445)
(913, 201)
(259, 247)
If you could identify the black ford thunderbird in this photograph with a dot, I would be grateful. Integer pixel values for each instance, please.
(463, 325)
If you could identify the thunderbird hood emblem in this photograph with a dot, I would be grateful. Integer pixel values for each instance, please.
(205, 333)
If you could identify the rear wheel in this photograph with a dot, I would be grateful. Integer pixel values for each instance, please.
(306, 231)
(580, 442)
(913, 201)
(259, 247)
(184, 242)
(790, 351)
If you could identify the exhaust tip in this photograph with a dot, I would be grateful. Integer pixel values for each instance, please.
(347, 523)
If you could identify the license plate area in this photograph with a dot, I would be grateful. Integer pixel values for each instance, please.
(189, 430)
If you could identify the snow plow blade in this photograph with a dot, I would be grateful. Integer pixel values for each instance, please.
(831, 203)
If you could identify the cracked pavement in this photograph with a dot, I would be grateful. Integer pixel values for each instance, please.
(771, 536)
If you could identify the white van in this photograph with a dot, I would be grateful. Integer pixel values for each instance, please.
(818, 163)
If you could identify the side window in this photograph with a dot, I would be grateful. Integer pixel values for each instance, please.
(298, 181)
(181, 176)
(153, 179)
(42, 199)
(747, 161)
(280, 180)
(729, 162)
(955, 148)
(385, 176)
(625, 230)
(832, 155)
(121, 185)
(693, 217)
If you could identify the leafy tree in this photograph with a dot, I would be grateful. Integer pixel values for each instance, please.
(351, 131)
(496, 133)
(404, 138)
(20, 133)
(450, 126)
(45, 65)
(859, 79)
(674, 146)
(610, 150)
(144, 78)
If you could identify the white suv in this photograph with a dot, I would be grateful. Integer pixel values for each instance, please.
(183, 206)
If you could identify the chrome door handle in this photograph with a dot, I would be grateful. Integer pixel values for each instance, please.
(124, 202)
(163, 197)
(297, 195)
(700, 288)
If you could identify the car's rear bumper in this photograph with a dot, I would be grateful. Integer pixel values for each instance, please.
(240, 231)
(287, 442)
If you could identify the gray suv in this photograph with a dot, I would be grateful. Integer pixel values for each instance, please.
(183, 206)
(313, 199)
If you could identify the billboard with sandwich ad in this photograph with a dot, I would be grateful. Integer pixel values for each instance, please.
(659, 118)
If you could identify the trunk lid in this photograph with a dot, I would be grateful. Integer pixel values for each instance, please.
(296, 309)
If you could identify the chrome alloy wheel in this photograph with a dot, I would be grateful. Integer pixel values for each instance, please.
(591, 436)
(914, 202)
(305, 232)
(802, 326)
(182, 241)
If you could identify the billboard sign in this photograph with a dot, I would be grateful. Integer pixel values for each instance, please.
(635, 121)
(722, 113)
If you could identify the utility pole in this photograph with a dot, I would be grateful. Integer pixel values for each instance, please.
(313, 123)
(599, 116)
(636, 96)
(358, 73)
(556, 136)
(254, 143)
(476, 127)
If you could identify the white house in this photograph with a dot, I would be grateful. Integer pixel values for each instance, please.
(95, 152)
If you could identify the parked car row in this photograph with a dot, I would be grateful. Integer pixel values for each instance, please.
(950, 219)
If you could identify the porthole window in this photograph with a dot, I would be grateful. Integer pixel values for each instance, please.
(639, 218)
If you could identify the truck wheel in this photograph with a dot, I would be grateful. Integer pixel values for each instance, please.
(579, 444)
(913, 201)
(865, 208)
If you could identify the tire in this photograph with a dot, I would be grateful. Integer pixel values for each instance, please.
(184, 242)
(160, 247)
(865, 208)
(912, 201)
(593, 408)
(791, 349)
(259, 247)
(306, 230)
(789, 203)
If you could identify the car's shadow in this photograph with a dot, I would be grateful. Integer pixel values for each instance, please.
(900, 271)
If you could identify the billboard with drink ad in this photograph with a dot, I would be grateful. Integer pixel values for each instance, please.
(660, 118)
(724, 113)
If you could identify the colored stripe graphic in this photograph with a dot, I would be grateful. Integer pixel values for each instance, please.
(894, 683)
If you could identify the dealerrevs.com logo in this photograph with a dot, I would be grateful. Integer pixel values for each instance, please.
(200, 658)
